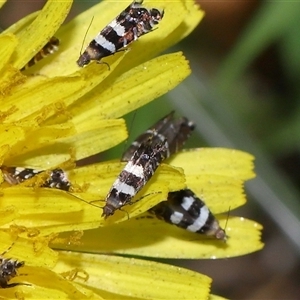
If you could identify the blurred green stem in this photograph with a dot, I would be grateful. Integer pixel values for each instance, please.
(271, 22)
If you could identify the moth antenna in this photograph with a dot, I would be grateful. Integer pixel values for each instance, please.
(84, 38)
(85, 201)
(228, 214)
(141, 198)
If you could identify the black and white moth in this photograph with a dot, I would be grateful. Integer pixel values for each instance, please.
(16, 175)
(127, 27)
(185, 210)
(57, 178)
(144, 156)
(50, 48)
(182, 208)
(175, 131)
(137, 172)
(9, 269)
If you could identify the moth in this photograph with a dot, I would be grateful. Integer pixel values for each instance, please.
(137, 172)
(144, 156)
(9, 269)
(185, 210)
(133, 22)
(175, 130)
(182, 208)
(56, 179)
(50, 48)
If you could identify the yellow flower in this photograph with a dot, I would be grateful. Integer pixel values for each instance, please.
(54, 114)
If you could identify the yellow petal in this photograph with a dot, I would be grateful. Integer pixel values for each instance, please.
(102, 176)
(95, 136)
(179, 20)
(43, 201)
(219, 161)
(195, 15)
(101, 15)
(31, 99)
(215, 297)
(40, 148)
(45, 284)
(98, 178)
(112, 296)
(2, 3)
(150, 45)
(40, 137)
(135, 88)
(220, 193)
(34, 251)
(163, 240)
(11, 135)
(50, 211)
(9, 76)
(8, 214)
(21, 24)
(38, 33)
(216, 175)
(8, 44)
(136, 278)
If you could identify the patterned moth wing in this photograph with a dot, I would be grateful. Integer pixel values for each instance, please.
(16, 175)
(175, 131)
(9, 269)
(127, 27)
(185, 210)
(50, 48)
(57, 178)
(137, 172)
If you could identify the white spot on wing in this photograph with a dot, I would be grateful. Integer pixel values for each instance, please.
(176, 217)
(134, 169)
(124, 188)
(118, 28)
(18, 170)
(201, 220)
(65, 177)
(187, 202)
(101, 40)
(136, 144)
